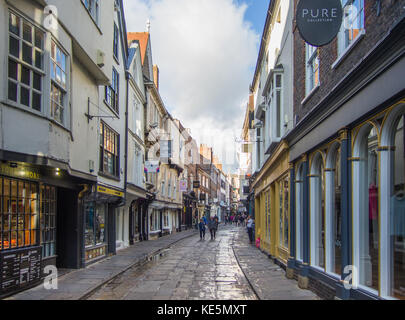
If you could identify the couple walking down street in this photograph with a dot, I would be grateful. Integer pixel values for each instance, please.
(212, 226)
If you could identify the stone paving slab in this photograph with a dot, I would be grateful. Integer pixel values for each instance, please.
(267, 279)
(77, 284)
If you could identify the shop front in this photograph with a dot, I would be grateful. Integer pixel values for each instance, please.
(100, 207)
(132, 227)
(272, 196)
(39, 217)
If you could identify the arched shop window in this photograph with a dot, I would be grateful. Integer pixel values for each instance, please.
(365, 206)
(299, 213)
(284, 211)
(397, 215)
(333, 211)
(317, 206)
(392, 248)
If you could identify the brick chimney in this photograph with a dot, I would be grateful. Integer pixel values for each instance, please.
(156, 76)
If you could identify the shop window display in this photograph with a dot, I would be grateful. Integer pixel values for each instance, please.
(397, 216)
(368, 224)
(284, 212)
(19, 213)
(95, 224)
(317, 213)
(48, 220)
(299, 214)
(337, 218)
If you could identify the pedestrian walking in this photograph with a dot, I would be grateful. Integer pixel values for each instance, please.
(201, 227)
(249, 226)
(213, 226)
(241, 220)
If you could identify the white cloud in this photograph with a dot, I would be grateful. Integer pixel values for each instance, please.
(205, 51)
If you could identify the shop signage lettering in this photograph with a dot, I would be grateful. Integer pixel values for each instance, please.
(5, 169)
(319, 21)
(110, 191)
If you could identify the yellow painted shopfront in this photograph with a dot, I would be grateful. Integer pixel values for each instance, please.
(272, 216)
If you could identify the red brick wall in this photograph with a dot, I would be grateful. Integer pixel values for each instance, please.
(376, 28)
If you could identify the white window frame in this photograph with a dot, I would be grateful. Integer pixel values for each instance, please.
(276, 136)
(299, 213)
(349, 24)
(21, 63)
(330, 188)
(387, 158)
(315, 212)
(311, 83)
(59, 85)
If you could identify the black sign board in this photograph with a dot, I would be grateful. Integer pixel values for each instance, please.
(319, 21)
(196, 184)
(19, 268)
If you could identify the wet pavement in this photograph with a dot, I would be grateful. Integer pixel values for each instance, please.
(227, 268)
(179, 267)
(192, 269)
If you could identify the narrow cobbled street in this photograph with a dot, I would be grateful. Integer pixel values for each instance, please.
(227, 268)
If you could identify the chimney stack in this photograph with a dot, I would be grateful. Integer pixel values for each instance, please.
(156, 76)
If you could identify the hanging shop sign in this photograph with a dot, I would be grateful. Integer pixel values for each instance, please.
(196, 184)
(152, 166)
(319, 21)
(183, 185)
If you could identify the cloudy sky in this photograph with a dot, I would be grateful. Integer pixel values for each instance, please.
(206, 51)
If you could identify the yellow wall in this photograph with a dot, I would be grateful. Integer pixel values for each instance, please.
(267, 182)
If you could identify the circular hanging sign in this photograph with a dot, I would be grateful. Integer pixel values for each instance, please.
(319, 21)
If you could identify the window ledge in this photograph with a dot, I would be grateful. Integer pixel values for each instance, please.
(154, 232)
(346, 52)
(310, 94)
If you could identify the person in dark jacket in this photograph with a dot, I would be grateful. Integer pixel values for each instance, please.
(213, 226)
(201, 227)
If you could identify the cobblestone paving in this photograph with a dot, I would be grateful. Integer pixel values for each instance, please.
(267, 278)
(193, 269)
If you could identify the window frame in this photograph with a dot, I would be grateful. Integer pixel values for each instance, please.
(312, 76)
(59, 86)
(21, 63)
(116, 42)
(17, 207)
(112, 92)
(359, 19)
(96, 12)
(104, 139)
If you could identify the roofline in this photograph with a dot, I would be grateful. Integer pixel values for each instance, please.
(263, 43)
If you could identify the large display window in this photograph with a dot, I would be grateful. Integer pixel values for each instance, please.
(48, 220)
(317, 210)
(95, 224)
(284, 184)
(397, 215)
(19, 213)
